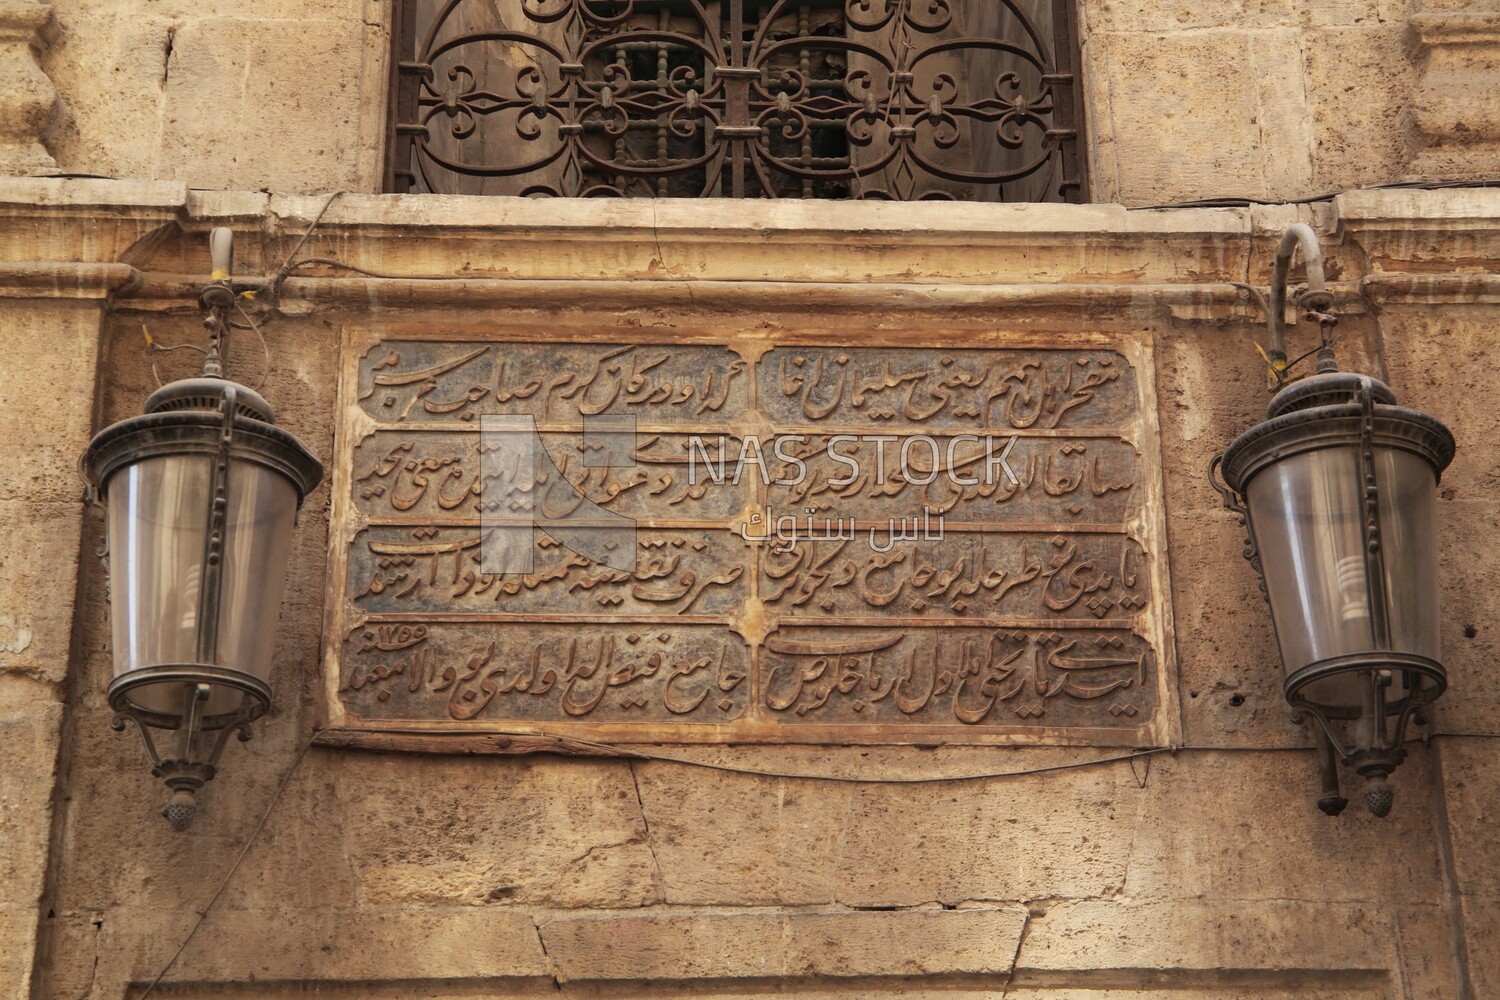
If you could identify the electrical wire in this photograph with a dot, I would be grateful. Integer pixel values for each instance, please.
(239, 858)
(1233, 201)
(344, 265)
(151, 348)
(273, 287)
(853, 779)
(265, 348)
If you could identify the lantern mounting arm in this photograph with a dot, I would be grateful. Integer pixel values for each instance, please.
(1315, 298)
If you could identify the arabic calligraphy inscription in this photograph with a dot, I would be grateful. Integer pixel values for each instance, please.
(811, 544)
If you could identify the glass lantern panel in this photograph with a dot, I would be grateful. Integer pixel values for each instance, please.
(257, 547)
(1307, 512)
(158, 520)
(1408, 531)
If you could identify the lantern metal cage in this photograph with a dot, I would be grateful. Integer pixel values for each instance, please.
(201, 494)
(1337, 492)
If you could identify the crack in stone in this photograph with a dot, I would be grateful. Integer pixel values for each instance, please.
(657, 882)
(166, 59)
(541, 941)
(98, 923)
(1015, 959)
(601, 847)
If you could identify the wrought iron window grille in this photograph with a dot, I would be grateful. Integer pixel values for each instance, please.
(844, 99)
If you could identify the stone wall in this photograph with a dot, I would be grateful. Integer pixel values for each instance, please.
(1261, 99)
(1203, 873)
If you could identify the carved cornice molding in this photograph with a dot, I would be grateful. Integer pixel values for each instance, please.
(1422, 233)
(1456, 106)
(28, 100)
(59, 280)
(1071, 262)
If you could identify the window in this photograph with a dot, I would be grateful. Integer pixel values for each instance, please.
(891, 99)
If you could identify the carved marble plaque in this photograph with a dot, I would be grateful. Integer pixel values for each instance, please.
(725, 537)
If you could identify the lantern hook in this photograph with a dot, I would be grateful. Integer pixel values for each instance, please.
(1315, 299)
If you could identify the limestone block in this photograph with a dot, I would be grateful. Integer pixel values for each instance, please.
(496, 831)
(1469, 576)
(110, 64)
(1099, 129)
(1441, 361)
(85, 10)
(1427, 961)
(28, 99)
(1473, 806)
(1457, 103)
(1319, 13)
(1482, 924)
(1267, 837)
(236, 115)
(45, 407)
(1211, 386)
(30, 715)
(38, 571)
(1209, 113)
(1183, 15)
(439, 946)
(891, 845)
(737, 945)
(1208, 935)
(1359, 81)
(17, 946)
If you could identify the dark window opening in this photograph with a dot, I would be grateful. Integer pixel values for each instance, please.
(843, 99)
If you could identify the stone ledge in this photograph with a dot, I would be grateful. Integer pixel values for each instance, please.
(716, 944)
(93, 193)
(1457, 27)
(46, 279)
(718, 218)
(1170, 935)
(333, 946)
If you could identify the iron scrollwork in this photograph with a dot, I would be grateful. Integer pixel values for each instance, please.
(889, 99)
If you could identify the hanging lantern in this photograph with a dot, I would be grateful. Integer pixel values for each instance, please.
(201, 493)
(1337, 489)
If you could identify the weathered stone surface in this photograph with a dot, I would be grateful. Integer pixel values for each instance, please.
(1366, 141)
(1208, 935)
(29, 100)
(44, 416)
(1482, 929)
(1183, 15)
(373, 877)
(339, 946)
(1227, 115)
(1456, 104)
(1441, 363)
(559, 836)
(203, 94)
(1267, 838)
(1472, 798)
(30, 716)
(1429, 969)
(727, 945)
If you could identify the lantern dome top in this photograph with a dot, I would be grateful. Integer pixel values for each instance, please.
(206, 393)
(1327, 389)
(1324, 411)
(188, 417)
